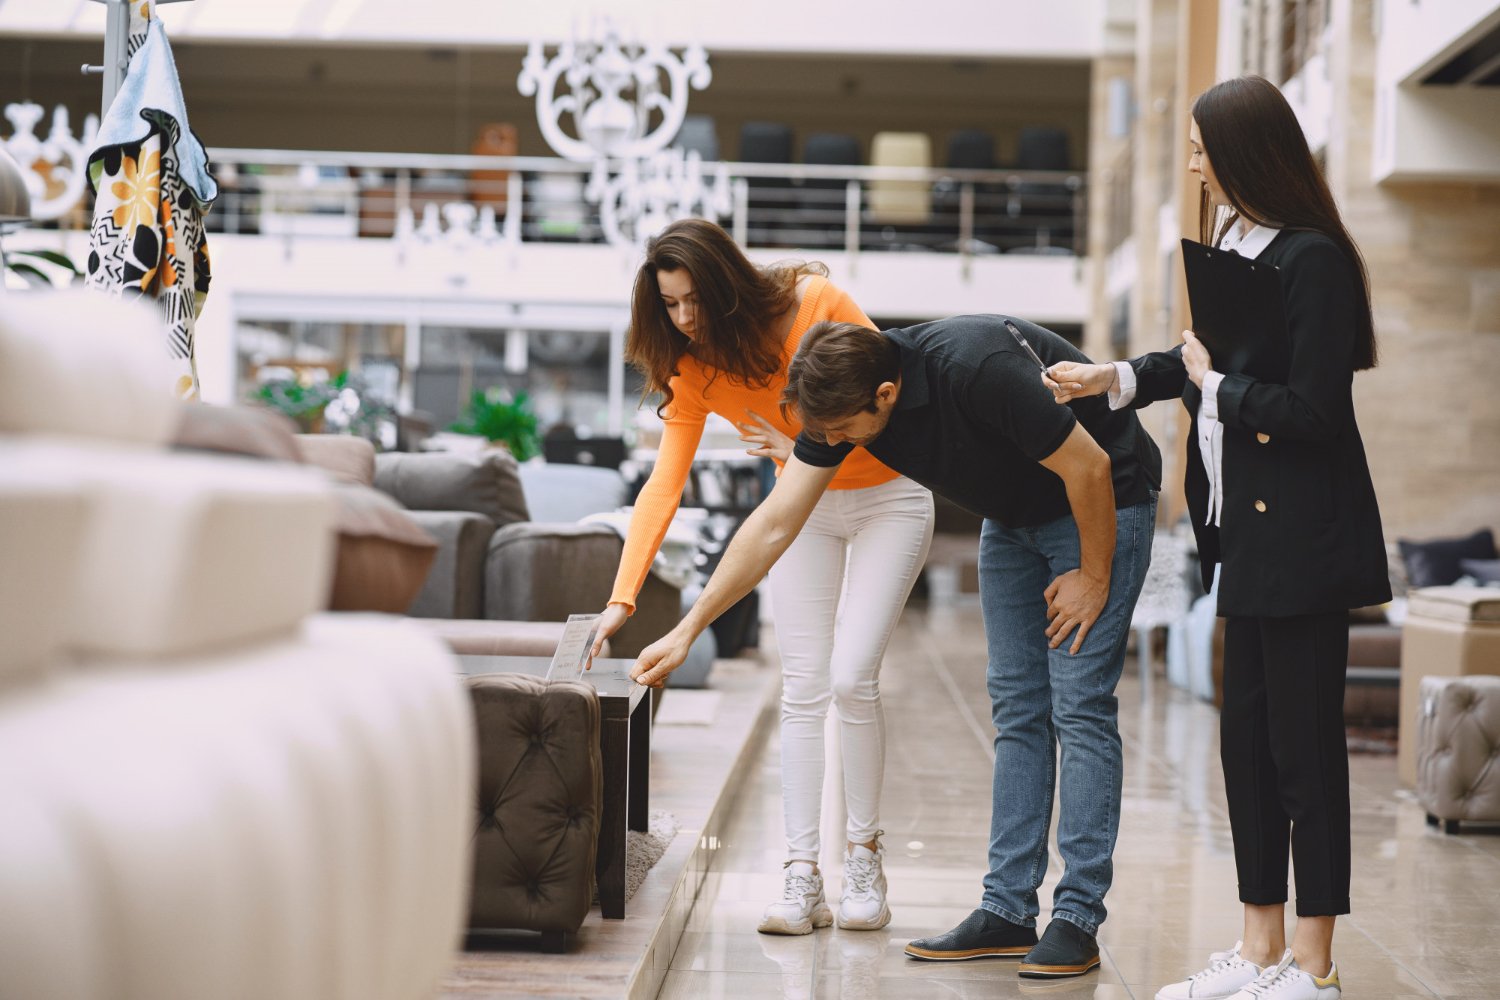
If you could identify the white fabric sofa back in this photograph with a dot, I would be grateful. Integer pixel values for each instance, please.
(206, 790)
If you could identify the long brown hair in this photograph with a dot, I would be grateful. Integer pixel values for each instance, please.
(1261, 159)
(736, 316)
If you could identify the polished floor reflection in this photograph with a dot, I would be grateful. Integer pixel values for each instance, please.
(1426, 907)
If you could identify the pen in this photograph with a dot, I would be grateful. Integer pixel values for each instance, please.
(1014, 332)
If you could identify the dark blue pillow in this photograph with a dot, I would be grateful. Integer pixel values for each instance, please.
(1483, 570)
(1436, 563)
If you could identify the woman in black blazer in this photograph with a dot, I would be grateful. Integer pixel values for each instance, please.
(1281, 498)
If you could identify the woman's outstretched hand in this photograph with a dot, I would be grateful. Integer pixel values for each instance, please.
(610, 621)
(1071, 380)
(764, 439)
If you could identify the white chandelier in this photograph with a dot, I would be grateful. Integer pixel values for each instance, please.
(55, 167)
(611, 92)
(648, 194)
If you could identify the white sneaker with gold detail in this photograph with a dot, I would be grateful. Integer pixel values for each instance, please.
(1284, 981)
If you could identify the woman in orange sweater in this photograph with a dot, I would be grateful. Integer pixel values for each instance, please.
(713, 334)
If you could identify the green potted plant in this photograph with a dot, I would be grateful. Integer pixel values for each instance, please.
(37, 277)
(502, 419)
(303, 402)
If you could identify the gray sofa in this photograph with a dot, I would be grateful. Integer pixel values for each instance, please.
(495, 562)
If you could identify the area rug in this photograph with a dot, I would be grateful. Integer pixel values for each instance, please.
(682, 707)
(1371, 739)
(644, 850)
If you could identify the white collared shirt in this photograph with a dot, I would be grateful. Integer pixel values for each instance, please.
(1210, 431)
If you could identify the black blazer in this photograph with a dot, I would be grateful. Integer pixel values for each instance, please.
(1300, 530)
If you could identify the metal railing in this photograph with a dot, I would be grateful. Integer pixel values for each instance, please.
(298, 194)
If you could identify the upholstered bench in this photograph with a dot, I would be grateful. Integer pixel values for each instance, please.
(538, 805)
(1449, 632)
(1458, 750)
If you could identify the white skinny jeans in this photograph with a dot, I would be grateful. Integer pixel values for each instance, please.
(865, 546)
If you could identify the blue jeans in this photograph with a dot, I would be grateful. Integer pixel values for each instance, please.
(1044, 698)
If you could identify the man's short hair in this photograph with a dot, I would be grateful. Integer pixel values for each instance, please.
(836, 371)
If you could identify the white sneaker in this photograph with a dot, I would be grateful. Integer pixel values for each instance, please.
(1284, 981)
(1227, 974)
(802, 906)
(862, 906)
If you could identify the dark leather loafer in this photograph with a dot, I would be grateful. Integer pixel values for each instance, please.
(1064, 950)
(981, 935)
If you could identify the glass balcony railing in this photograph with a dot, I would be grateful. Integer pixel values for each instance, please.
(311, 195)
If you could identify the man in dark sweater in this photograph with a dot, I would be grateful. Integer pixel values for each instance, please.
(1068, 497)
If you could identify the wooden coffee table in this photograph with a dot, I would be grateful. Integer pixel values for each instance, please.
(624, 750)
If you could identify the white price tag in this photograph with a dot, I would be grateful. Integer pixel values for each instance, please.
(573, 651)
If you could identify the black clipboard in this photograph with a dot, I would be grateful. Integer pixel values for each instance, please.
(1238, 311)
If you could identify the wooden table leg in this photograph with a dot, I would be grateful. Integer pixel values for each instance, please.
(638, 805)
(609, 868)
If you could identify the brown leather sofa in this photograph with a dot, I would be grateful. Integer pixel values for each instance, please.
(1458, 726)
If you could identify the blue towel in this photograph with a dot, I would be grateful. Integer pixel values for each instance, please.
(152, 96)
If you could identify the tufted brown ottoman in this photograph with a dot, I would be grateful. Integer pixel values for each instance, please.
(1458, 750)
(1449, 632)
(538, 806)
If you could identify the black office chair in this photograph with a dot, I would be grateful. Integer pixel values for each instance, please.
(765, 142)
(1044, 210)
(822, 199)
(771, 198)
(968, 149)
(699, 135)
(1042, 149)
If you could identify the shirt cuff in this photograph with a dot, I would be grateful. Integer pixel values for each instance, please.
(1122, 393)
(1210, 407)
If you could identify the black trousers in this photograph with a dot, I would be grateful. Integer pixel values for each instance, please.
(1286, 762)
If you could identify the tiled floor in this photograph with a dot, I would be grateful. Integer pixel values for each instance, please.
(1426, 907)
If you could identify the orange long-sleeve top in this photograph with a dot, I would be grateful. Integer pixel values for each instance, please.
(695, 398)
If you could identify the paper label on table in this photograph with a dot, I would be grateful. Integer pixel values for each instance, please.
(573, 651)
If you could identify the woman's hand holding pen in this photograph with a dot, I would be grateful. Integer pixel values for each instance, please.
(1070, 380)
(764, 439)
(1195, 358)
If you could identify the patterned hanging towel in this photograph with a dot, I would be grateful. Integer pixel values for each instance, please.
(152, 188)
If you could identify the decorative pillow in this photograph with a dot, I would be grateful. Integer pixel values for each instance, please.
(85, 365)
(383, 556)
(1486, 571)
(486, 483)
(237, 430)
(347, 458)
(1435, 563)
